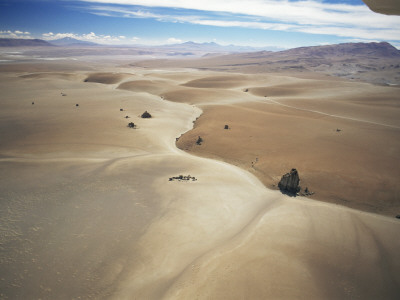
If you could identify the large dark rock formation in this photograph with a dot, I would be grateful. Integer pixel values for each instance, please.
(290, 182)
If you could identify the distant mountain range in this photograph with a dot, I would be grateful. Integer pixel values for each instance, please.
(24, 43)
(68, 41)
(187, 47)
(213, 47)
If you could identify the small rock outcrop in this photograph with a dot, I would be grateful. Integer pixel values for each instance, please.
(306, 192)
(131, 125)
(146, 115)
(199, 141)
(183, 178)
(290, 182)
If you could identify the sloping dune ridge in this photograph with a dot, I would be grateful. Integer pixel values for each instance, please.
(88, 209)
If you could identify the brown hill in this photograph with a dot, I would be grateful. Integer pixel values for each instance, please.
(382, 49)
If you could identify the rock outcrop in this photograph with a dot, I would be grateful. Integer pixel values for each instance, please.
(290, 182)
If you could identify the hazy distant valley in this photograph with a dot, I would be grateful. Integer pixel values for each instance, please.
(377, 63)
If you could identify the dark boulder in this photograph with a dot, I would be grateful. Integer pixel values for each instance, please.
(146, 115)
(290, 182)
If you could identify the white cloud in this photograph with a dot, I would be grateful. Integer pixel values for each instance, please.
(17, 34)
(308, 16)
(173, 40)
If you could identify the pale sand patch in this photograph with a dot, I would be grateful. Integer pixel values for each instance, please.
(299, 250)
(88, 211)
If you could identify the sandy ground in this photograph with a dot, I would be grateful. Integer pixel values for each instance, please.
(87, 210)
(342, 137)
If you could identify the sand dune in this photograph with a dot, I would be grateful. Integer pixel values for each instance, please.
(201, 96)
(88, 211)
(218, 82)
(154, 87)
(296, 88)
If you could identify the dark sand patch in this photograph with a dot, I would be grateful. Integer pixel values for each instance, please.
(106, 78)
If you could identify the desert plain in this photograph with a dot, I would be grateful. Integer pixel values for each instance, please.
(88, 210)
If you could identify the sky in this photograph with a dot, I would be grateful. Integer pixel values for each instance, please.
(258, 23)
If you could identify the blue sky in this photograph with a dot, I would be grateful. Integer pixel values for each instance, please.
(263, 23)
